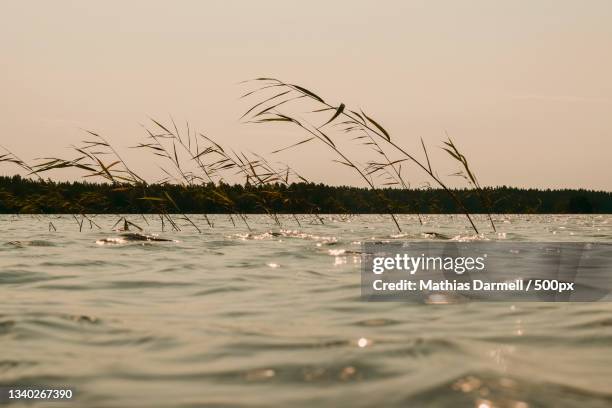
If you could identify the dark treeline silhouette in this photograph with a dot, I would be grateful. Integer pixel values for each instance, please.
(21, 195)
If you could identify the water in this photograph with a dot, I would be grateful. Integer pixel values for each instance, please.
(274, 318)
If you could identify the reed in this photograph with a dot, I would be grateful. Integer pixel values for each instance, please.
(281, 108)
(213, 161)
(466, 173)
(11, 158)
(91, 158)
(192, 159)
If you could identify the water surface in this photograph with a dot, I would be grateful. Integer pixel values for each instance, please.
(273, 317)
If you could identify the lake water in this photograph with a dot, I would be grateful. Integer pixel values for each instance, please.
(274, 318)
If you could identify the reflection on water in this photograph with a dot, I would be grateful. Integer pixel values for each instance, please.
(273, 317)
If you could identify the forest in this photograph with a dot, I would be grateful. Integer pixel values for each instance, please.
(23, 195)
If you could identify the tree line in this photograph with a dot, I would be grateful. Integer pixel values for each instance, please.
(23, 195)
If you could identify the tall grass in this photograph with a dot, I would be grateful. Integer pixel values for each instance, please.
(287, 98)
(190, 158)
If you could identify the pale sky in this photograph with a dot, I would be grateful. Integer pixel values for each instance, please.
(524, 87)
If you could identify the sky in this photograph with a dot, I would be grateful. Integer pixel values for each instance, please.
(523, 87)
